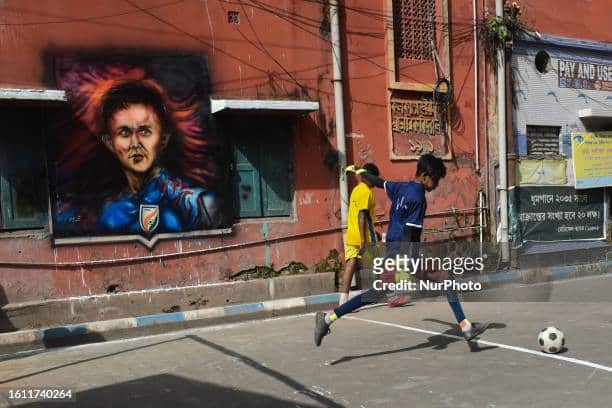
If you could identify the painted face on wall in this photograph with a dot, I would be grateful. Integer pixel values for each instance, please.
(136, 138)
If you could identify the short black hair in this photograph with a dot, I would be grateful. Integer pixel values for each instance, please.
(430, 165)
(121, 96)
(371, 168)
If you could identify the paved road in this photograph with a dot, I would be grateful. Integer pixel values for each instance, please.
(378, 357)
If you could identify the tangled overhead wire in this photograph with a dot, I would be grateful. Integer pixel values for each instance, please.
(443, 91)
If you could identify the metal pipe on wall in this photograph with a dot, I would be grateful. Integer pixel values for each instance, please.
(339, 108)
(476, 124)
(487, 163)
(480, 218)
(501, 143)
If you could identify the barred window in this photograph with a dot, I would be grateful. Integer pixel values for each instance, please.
(543, 140)
(414, 28)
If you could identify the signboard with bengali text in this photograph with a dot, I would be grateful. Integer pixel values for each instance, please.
(592, 156)
(418, 128)
(556, 213)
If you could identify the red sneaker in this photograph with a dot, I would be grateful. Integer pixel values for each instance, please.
(397, 300)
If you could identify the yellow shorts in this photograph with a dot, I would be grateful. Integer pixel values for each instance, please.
(350, 252)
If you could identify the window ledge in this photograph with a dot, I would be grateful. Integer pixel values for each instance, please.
(53, 95)
(538, 157)
(411, 86)
(33, 233)
(149, 243)
(268, 220)
(220, 105)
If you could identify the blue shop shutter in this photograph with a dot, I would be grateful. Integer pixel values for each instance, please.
(275, 178)
(247, 184)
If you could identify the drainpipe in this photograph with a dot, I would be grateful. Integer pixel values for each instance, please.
(481, 220)
(501, 143)
(339, 108)
(477, 125)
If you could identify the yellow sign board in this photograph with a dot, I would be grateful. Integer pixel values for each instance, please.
(592, 154)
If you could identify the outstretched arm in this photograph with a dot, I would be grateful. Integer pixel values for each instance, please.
(375, 180)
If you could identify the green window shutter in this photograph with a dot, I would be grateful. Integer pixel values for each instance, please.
(275, 178)
(247, 186)
(23, 187)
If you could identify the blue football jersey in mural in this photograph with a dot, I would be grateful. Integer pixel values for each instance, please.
(166, 204)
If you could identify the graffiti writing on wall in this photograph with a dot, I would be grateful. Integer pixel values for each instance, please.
(133, 157)
(417, 128)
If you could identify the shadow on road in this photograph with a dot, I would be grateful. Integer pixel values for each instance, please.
(5, 322)
(170, 391)
(3, 381)
(268, 371)
(436, 342)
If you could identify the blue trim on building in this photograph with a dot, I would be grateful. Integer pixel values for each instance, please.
(557, 41)
(530, 50)
(521, 143)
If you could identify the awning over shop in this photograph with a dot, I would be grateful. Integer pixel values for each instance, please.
(257, 105)
(46, 95)
(596, 119)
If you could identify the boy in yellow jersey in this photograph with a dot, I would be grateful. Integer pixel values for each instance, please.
(360, 227)
(360, 231)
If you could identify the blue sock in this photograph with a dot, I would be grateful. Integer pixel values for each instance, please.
(453, 301)
(366, 298)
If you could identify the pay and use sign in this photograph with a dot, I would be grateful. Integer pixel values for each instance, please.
(585, 75)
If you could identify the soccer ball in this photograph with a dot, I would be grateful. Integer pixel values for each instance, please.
(551, 340)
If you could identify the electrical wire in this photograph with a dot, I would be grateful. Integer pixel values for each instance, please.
(88, 19)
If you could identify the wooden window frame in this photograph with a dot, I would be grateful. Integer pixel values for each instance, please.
(394, 86)
(393, 83)
(264, 212)
(9, 225)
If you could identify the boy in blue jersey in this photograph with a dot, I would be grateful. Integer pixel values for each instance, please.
(408, 205)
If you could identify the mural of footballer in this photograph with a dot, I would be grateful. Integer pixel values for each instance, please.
(137, 130)
(149, 166)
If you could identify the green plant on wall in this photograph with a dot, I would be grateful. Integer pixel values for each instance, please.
(333, 264)
(497, 32)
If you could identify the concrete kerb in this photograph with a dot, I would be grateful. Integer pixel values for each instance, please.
(157, 323)
(527, 276)
(110, 306)
(544, 274)
(153, 324)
